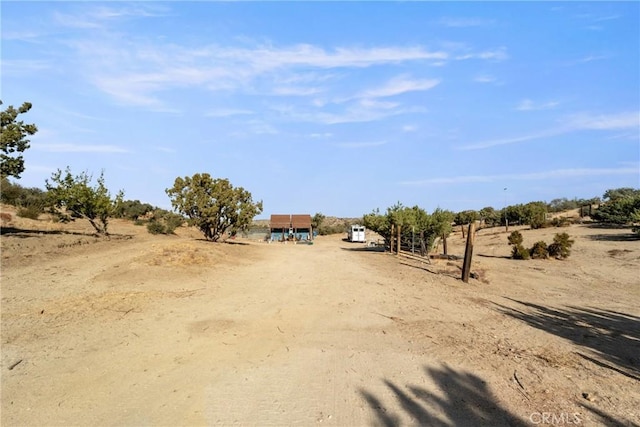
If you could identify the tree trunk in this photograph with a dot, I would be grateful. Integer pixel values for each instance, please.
(468, 253)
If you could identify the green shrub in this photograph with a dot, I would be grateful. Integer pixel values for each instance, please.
(561, 222)
(31, 212)
(132, 209)
(554, 250)
(519, 252)
(156, 227)
(338, 228)
(535, 214)
(619, 206)
(172, 221)
(561, 246)
(635, 217)
(164, 222)
(539, 250)
(515, 238)
(30, 202)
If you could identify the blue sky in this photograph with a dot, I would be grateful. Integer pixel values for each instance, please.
(332, 107)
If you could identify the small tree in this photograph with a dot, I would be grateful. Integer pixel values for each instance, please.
(164, 222)
(619, 207)
(518, 251)
(317, 220)
(412, 221)
(133, 209)
(214, 206)
(539, 250)
(490, 216)
(561, 246)
(437, 225)
(466, 217)
(13, 140)
(30, 202)
(515, 238)
(378, 223)
(635, 218)
(72, 197)
(535, 214)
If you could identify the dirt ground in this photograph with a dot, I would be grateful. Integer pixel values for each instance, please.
(174, 330)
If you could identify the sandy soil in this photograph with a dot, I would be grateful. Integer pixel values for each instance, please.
(173, 330)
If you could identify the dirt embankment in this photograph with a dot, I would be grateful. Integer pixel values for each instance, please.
(173, 330)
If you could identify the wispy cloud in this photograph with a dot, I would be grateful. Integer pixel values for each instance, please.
(354, 113)
(25, 66)
(625, 120)
(321, 135)
(228, 112)
(532, 176)
(95, 17)
(596, 22)
(143, 72)
(529, 105)
(22, 34)
(295, 91)
(398, 85)
(360, 144)
(256, 127)
(485, 79)
(591, 58)
(588, 58)
(513, 140)
(375, 104)
(309, 55)
(78, 115)
(79, 148)
(166, 150)
(575, 123)
(499, 54)
(630, 136)
(138, 71)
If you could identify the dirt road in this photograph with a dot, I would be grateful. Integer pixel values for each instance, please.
(157, 330)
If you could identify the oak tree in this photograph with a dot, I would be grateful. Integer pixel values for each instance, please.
(73, 197)
(213, 205)
(13, 140)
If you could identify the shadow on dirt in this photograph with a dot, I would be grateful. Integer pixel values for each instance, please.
(22, 233)
(366, 249)
(612, 335)
(606, 419)
(631, 237)
(494, 256)
(419, 267)
(223, 242)
(437, 271)
(461, 399)
(603, 226)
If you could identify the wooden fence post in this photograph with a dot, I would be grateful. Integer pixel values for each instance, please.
(391, 240)
(468, 253)
(444, 244)
(398, 240)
